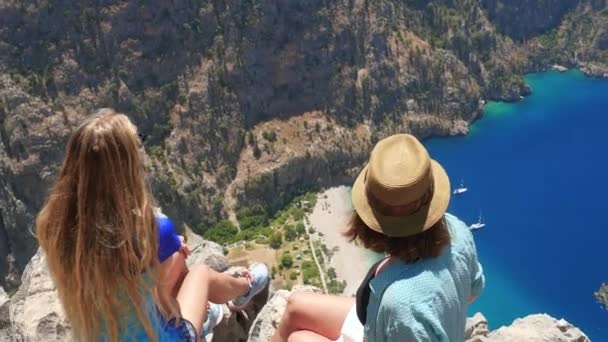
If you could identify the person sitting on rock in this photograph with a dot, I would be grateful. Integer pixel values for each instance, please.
(421, 289)
(113, 266)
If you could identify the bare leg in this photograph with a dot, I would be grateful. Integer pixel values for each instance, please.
(224, 287)
(203, 284)
(307, 336)
(320, 314)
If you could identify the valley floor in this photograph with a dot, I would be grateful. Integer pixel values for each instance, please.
(330, 218)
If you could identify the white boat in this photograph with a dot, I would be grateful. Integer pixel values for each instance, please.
(478, 225)
(460, 189)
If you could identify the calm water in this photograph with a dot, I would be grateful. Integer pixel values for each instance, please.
(537, 170)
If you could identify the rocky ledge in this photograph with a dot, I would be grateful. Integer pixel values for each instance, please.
(595, 70)
(533, 328)
(33, 313)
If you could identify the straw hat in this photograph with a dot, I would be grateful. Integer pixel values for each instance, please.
(401, 192)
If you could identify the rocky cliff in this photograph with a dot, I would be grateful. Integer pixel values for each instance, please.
(34, 313)
(254, 101)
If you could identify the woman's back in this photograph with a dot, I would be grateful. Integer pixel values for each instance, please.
(426, 300)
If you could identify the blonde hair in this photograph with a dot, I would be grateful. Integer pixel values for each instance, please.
(99, 233)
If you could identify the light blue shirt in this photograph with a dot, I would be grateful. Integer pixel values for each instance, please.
(426, 300)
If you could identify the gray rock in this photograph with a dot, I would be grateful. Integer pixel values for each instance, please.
(476, 328)
(35, 311)
(539, 328)
(5, 318)
(206, 252)
(268, 319)
(595, 70)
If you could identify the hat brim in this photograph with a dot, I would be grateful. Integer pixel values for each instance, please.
(413, 224)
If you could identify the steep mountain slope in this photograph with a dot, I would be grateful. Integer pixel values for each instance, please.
(223, 88)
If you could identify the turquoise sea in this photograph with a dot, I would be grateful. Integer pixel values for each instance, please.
(538, 172)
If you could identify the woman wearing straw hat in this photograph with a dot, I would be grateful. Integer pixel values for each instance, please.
(421, 289)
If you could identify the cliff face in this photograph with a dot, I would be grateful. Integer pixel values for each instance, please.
(206, 80)
(522, 19)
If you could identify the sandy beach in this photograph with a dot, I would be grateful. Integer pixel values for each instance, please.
(330, 217)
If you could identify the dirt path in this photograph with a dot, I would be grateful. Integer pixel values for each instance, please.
(314, 256)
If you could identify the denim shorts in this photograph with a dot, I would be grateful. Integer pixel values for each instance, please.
(185, 329)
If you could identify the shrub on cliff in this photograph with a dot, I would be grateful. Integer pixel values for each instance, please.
(224, 232)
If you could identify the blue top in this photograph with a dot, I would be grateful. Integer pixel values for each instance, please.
(135, 331)
(168, 241)
(426, 300)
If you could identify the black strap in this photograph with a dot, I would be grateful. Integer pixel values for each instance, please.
(364, 291)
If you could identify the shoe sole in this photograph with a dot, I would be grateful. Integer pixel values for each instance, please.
(220, 317)
(235, 308)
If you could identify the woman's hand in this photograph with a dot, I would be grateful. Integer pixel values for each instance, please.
(184, 250)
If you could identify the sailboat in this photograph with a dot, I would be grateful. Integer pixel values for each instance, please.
(478, 225)
(460, 189)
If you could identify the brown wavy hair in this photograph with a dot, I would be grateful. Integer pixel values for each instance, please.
(425, 245)
(98, 231)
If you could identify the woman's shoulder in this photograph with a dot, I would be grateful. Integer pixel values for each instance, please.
(460, 234)
(168, 240)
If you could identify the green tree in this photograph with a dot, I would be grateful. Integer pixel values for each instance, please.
(257, 153)
(287, 260)
(300, 228)
(290, 233)
(276, 240)
(309, 271)
(336, 287)
(250, 139)
(331, 273)
(224, 232)
(271, 136)
(252, 217)
(293, 275)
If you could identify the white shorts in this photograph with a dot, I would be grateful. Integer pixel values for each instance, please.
(352, 329)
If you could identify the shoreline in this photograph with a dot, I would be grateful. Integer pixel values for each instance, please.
(330, 217)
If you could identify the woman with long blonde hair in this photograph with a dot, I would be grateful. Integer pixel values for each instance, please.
(104, 249)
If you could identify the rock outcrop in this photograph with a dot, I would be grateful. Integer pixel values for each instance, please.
(5, 324)
(34, 313)
(595, 70)
(533, 328)
(602, 295)
(268, 320)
